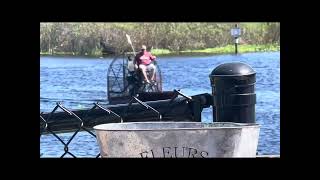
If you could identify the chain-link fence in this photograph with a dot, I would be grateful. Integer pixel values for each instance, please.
(46, 128)
(55, 122)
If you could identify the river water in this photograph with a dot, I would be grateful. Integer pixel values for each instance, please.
(79, 82)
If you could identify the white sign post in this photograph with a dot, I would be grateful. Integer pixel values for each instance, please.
(235, 33)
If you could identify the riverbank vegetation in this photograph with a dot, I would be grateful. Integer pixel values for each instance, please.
(88, 39)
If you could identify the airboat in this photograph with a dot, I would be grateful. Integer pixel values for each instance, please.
(125, 81)
(130, 99)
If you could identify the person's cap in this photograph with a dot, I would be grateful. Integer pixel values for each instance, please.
(143, 47)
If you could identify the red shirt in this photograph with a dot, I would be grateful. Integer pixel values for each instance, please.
(145, 58)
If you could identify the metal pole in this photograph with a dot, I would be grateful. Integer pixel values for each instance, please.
(235, 41)
(236, 46)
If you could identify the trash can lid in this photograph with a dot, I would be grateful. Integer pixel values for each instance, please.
(232, 69)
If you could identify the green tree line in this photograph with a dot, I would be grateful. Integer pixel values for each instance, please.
(85, 38)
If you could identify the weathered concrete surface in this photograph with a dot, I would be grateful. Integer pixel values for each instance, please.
(177, 139)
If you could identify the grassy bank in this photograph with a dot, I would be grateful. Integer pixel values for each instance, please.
(229, 49)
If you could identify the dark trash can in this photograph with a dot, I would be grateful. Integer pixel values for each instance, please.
(233, 91)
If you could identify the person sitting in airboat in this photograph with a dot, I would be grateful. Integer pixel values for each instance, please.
(144, 61)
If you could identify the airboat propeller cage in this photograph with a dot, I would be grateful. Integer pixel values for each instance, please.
(233, 92)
